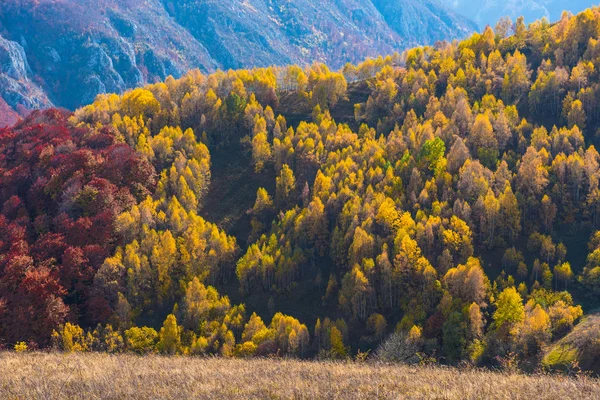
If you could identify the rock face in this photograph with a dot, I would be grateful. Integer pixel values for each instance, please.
(77, 49)
(13, 61)
(488, 12)
(16, 88)
(67, 52)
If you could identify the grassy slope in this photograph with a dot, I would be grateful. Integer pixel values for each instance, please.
(582, 345)
(101, 376)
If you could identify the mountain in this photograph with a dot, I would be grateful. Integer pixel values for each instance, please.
(266, 32)
(489, 11)
(66, 52)
(440, 207)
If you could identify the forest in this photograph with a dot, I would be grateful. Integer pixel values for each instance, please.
(436, 206)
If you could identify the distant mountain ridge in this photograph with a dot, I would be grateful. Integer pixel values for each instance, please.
(488, 12)
(64, 53)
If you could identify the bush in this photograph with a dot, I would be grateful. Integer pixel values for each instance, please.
(141, 340)
(400, 347)
(21, 347)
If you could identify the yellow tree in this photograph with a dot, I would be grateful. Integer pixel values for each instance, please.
(576, 115)
(170, 336)
(285, 191)
(509, 217)
(261, 149)
(163, 258)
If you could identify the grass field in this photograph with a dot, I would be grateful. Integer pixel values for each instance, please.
(101, 376)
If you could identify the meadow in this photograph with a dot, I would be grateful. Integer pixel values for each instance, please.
(104, 376)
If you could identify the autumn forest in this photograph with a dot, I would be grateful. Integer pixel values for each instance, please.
(438, 206)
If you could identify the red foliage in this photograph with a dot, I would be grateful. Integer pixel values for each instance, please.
(8, 116)
(433, 326)
(61, 189)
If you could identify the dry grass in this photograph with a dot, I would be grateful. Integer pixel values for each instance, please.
(101, 376)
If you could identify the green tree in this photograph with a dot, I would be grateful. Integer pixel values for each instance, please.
(454, 337)
(509, 310)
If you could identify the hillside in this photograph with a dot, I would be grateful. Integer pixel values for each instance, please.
(65, 53)
(98, 376)
(441, 205)
(580, 349)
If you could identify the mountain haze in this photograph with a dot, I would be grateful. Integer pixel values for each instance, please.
(64, 53)
(489, 11)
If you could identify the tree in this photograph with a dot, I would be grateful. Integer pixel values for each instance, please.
(509, 216)
(535, 333)
(463, 116)
(163, 258)
(483, 142)
(261, 212)
(548, 212)
(459, 153)
(454, 337)
(253, 327)
(261, 149)
(376, 325)
(285, 195)
(202, 304)
(476, 322)
(433, 152)
(338, 349)
(327, 87)
(141, 340)
(362, 247)
(576, 115)
(263, 202)
(140, 102)
(489, 217)
(563, 273)
(71, 338)
(355, 292)
(532, 177)
(170, 336)
(467, 282)
(509, 311)
(516, 82)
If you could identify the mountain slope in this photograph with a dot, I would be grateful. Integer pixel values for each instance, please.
(429, 198)
(67, 52)
(77, 49)
(422, 21)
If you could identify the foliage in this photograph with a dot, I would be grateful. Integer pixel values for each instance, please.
(438, 208)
